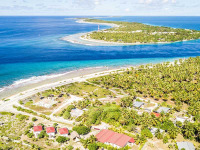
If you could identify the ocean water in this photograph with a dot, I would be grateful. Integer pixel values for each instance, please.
(32, 47)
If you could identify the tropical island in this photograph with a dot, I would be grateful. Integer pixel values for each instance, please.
(131, 33)
(153, 106)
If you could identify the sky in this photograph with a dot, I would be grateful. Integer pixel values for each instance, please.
(99, 7)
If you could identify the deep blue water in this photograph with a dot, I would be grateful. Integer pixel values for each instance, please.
(31, 46)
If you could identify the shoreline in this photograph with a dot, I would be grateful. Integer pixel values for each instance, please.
(82, 76)
(78, 39)
(37, 81)
(34, 82)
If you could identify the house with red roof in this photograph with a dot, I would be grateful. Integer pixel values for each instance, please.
(64, 132)
(51, 131)
(37, 130)
(156, 114)
(114, 139)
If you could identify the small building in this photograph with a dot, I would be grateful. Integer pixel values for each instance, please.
(163, 109)
(148, 110)
(75, 136)
(37, 130)
(153, 130)
(76, 112)
(101, 126)
(114, 139)
(51, 131)
(181, 119)
(138, 104)
(185, 145)
(156, 114)
(64, 132)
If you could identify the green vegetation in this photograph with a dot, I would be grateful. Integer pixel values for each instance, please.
(133, 32)
(81, 89)
(14, 126)
(178, 83)
(62, 139)
(81, 129)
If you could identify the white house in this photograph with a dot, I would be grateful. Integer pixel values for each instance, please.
(51, 131)
(64, 132)
(76, 112)
(185, 146)
(37, 130)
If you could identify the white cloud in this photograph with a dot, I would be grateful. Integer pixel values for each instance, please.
(173, 1)
(96, 2)
(127, 9)
(165, 1)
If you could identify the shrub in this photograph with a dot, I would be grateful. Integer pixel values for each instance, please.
(92, 146)
(6, 113)
(81, 129)
(30, 135)
(70, 107)
(146, 132)
(70, 147)
(66, 115)
(62, 139)
(34, 119)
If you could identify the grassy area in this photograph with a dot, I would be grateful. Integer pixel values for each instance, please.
(86, 89)
(14, 126)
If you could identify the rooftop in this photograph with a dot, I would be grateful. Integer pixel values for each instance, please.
(37, 128)
(76, 112)
(163, 109)
(185, 145)
(108, 136)
(138, 104)
(50, 130)
(63, 131)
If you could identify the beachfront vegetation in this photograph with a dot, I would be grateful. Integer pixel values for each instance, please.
(133, 32)
(178, 82)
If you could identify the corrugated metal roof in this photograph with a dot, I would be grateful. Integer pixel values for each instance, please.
(138, 104)
(114, 138)
(185, 145)
(164, 109)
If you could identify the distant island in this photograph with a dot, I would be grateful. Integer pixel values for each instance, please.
(138, 33)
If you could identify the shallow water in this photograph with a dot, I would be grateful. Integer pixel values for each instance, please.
(31, 47)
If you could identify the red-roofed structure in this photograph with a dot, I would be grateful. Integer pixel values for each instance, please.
(37, 128)
(156, 114)
(64, 131)
(51, 131)
(115, 139)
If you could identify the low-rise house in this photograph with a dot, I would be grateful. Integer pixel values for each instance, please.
(156, 114)
(101, 126)
(185, 145)
(148, 110)
(181, 119)
(76, 112)
(153, 130)
(163, 109)
(64, 132)
(114, 139)
(75, 136)
(138, 104)
(51, 131)
(37, 130)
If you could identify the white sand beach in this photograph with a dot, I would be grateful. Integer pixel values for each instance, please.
(29, 90)
(80, 38)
